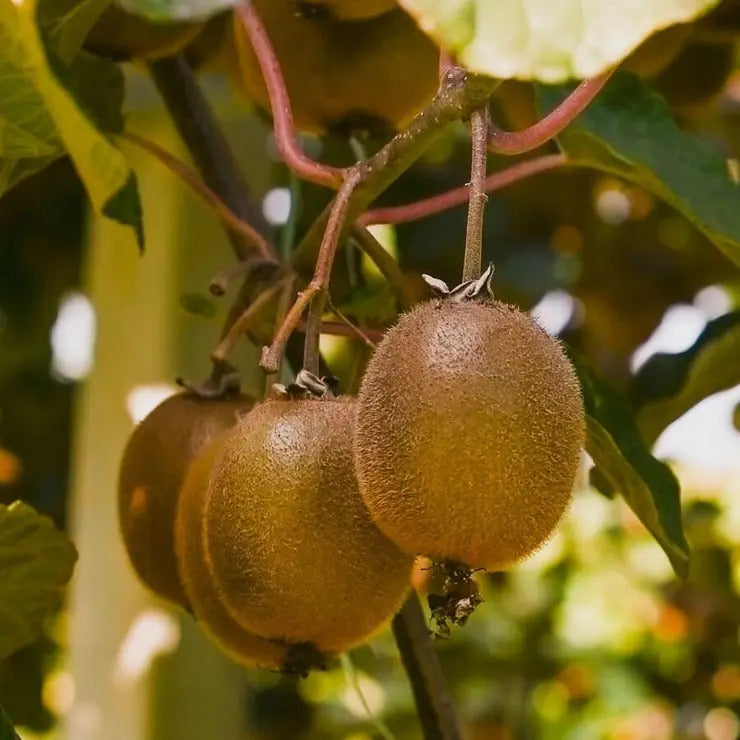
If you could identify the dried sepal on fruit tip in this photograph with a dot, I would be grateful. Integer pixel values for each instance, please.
(307, 386)
(468, 290)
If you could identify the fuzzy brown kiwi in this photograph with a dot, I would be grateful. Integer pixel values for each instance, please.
(122, 36)
(294, 553)
(153, 467)
(196, 575)
(469, 433)
(375, 73)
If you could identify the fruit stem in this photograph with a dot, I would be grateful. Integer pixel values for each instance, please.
(433, 700)
(198, 128)
(388, 267)
(437, 203)
(477, 197)
(313, 333)
(252, 238)
(282, 112)
(518, 142)
(273, 355)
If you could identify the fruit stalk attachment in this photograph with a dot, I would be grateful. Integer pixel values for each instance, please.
(477, 197)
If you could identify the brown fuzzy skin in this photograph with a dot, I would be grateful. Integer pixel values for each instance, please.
(469, 433)
(294, 552)
(154, 464)
(195, 573)
(374, 73)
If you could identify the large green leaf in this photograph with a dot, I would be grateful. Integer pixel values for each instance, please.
(668, 385)
(547, 41)
(36, 562)
(629, 131)
(51, 105)
(625, 464)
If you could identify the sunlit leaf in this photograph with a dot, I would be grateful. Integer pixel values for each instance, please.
(668, 385)
(36, 562)
(629, 131)
(647, 485)
(50, 106)
(547, 41)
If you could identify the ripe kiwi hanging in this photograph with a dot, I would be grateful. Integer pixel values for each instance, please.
(153, 467)
(470, 428)
(294, 554)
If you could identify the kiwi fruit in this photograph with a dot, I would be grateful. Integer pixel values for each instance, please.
(371, 74)
(347, 10)
(196, 576)
(153, 467)
(470, 428)
(122, 36)
(294, 554)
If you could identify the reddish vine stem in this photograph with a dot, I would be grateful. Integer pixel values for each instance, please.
(282, 112)
(518, 142)
(444, 201)
(477, 196)
(272, 355)
(191, 178)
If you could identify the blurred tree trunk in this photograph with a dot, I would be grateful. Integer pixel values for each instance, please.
(143, 337)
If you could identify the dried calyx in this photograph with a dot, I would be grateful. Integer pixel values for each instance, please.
(469, 290)
(307, 386)
(458, 599)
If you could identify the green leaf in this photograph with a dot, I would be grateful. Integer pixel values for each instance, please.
(176, 10)
(66, 23)
(36, 562)
(550, 42)
(198, 305)
(629, 131)
(624, 462)
(668, 385)
(7, 731)
(53, 105)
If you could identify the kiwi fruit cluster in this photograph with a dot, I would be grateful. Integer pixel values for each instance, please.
(348, 65)
(290, 528)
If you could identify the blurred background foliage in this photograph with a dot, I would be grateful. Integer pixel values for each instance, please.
(593, 637)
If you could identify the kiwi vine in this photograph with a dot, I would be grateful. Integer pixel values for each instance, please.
(220, 564)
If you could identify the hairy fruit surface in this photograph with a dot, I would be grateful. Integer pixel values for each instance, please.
(154, 464)
(469, 433)
(295, 555)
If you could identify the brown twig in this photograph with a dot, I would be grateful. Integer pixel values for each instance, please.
(282, 113)
(459, 95)
(356, 331)
(432, 697)
(518, 142)
(456, 197)
(200, 131)
(272, 355)
(388, 267)
(220, 282)
(477, 197)
(371, 337)
(225, 347)
(251, 236)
